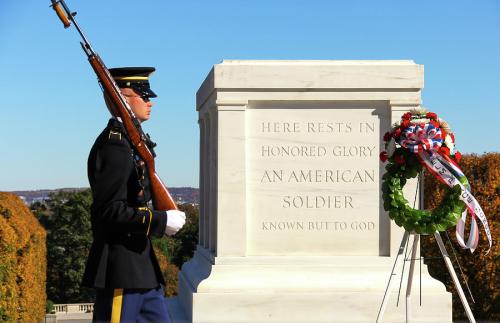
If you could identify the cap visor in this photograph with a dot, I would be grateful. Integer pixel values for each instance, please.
(150, 93)
(143, 90)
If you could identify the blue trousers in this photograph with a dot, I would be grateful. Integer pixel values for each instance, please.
(130, 305)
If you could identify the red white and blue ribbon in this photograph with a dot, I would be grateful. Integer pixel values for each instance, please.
(420, 137)
(443, 168)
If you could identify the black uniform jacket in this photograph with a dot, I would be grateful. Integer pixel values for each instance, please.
(121, 255)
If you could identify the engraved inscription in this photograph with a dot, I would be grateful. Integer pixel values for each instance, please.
(317, 226)
(314, 176)
(317, 201)
(317, 151)
(318, 176)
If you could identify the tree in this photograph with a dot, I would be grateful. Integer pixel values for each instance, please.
(180, 247)
(66, 217)
(173, 251)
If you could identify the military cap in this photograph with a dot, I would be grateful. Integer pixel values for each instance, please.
(136, 78)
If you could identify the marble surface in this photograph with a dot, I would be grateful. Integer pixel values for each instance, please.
(292, 227)
(313, 179)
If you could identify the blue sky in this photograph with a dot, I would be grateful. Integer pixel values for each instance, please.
(53, 110)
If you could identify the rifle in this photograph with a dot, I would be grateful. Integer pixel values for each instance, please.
(162, 200)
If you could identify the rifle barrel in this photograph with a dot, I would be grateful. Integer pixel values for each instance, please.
(162, 200)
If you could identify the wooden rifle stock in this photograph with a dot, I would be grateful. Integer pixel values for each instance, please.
(162, 200)
(60, 13)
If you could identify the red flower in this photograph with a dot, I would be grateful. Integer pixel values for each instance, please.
(452, 136)
(444, 150)
(387, 136)
(458, 156)
(434, 123)
(399, 159)
(383, 156)
(431, 115)
(443, 133)
(397, 133)
(406, 116)
(405, 124)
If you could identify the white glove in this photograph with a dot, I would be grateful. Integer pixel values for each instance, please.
(175, 221)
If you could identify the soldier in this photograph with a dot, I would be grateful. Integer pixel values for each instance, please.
(122, 265)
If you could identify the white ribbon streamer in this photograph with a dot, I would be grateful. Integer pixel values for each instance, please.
(473, 240)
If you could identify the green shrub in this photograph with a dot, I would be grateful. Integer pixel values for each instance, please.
(49, 307)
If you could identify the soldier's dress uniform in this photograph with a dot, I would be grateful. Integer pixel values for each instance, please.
(122, 265)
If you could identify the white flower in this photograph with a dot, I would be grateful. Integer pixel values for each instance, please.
(421, 120)
(448, 141)
(418, 111)
(444, 125)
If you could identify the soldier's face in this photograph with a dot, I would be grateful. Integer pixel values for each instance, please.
(141, 109)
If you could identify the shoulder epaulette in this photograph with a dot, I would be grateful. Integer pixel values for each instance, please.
(113, 134)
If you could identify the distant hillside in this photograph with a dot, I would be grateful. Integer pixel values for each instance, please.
(181, 195)
(41, 195)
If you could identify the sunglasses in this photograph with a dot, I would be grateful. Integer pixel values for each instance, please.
(145, 97)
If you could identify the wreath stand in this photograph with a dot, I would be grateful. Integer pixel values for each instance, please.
(451, 270)
(446, 258)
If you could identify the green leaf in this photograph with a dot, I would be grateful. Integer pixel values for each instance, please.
(427, 229)
(410, 226)
(464, 181)
(394, 181)
(450, 223)
(453, 216)
(400, 199)
(459, 207)
(441, 227)
(393, 214)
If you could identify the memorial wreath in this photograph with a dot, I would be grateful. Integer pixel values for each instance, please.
(419, 140)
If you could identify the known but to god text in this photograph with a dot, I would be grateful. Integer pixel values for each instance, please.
(317, 226)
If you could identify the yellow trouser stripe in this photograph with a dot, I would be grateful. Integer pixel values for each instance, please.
(117, 305)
